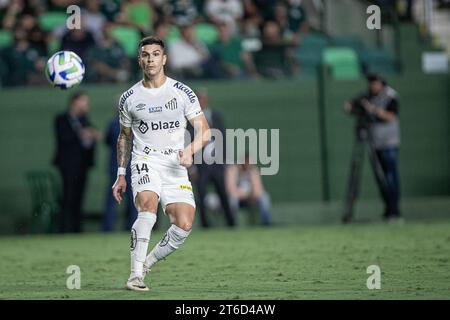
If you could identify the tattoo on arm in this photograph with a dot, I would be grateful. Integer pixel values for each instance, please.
(124, 146)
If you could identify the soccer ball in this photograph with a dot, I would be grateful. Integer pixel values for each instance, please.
(64, 69)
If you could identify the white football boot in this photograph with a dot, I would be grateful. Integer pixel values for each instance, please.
(136, 284)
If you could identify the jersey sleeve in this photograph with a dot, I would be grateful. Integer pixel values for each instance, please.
(393, 106)
(191, 106)
(124, 116)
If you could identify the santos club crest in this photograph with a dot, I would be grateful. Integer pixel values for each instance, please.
(171, 105)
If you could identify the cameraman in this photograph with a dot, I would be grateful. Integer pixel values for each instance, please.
(377, 110)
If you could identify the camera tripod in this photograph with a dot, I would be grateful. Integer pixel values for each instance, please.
(363, 139)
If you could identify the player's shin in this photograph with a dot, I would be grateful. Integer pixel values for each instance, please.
(140, 237)
(172, 240)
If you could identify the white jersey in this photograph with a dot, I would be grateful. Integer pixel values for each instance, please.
(158, 117)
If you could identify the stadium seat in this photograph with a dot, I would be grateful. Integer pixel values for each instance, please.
(206, 33)
(140, 13)
(6, 38)
(49, 21)
(309, 54)
(45, 198)
(349, 41)
(128, 38)
(378, 61)
(343, 62)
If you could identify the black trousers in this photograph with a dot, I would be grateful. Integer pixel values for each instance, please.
(74, 183)
(214, 174)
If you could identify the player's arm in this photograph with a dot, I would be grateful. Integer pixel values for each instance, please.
(123, 157)
(202, 134)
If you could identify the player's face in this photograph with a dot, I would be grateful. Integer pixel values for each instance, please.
(152, 59)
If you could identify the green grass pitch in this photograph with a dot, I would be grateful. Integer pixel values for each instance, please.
(310, 262)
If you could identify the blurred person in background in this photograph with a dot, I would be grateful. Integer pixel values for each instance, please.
(190, 58)
(94, 20)
(292, 19)
(381, 108)
(75, 146)
(229, 12)
(182, 12)
(78, 41)
(203, 174)
(245, 189)
(273, 60)
(108, 61)
(111, 208)
(20, 60)
(233, 61)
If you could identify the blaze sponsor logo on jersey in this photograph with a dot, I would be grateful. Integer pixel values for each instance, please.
(140, 107)
(143, 127)
(124, 98)
(146, 150)
(172, 104)
(154, 109)
(186, 90)
(161, 125)
(185, 187)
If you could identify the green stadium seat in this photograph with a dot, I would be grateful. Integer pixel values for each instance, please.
(140, 13)
(353, 42)
(45, 194)
(378, 61)
(49, 21)
(6, 38)
(206, 33)
(343, 62)
(309, 54)
(128, 38)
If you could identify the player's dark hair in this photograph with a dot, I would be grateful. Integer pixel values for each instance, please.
(151, 40)
(76, 95)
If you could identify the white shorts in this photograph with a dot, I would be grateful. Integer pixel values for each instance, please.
(163, 175)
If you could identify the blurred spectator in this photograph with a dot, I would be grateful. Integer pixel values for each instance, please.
(292, 21)
(182, 12)
(75, 145)
(61, 5)
(19, 60)
(161, 30)
(11, 11)
(110, 9)
(203, 174)
(138, 14)
(93, 19)
(110, 213)
(233, 61)
(78, 41)
(108, 61)
(190, 58)
(245, 188)
(225, 11)
(273, 59)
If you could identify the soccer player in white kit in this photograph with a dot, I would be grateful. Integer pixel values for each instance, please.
(153, 117)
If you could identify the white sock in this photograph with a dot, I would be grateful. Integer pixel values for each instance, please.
(171, 241)
(140, 236)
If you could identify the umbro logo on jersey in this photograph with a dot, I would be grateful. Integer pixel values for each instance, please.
(143, 127)
(140, 107)
(154, 109)
(171, 105)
